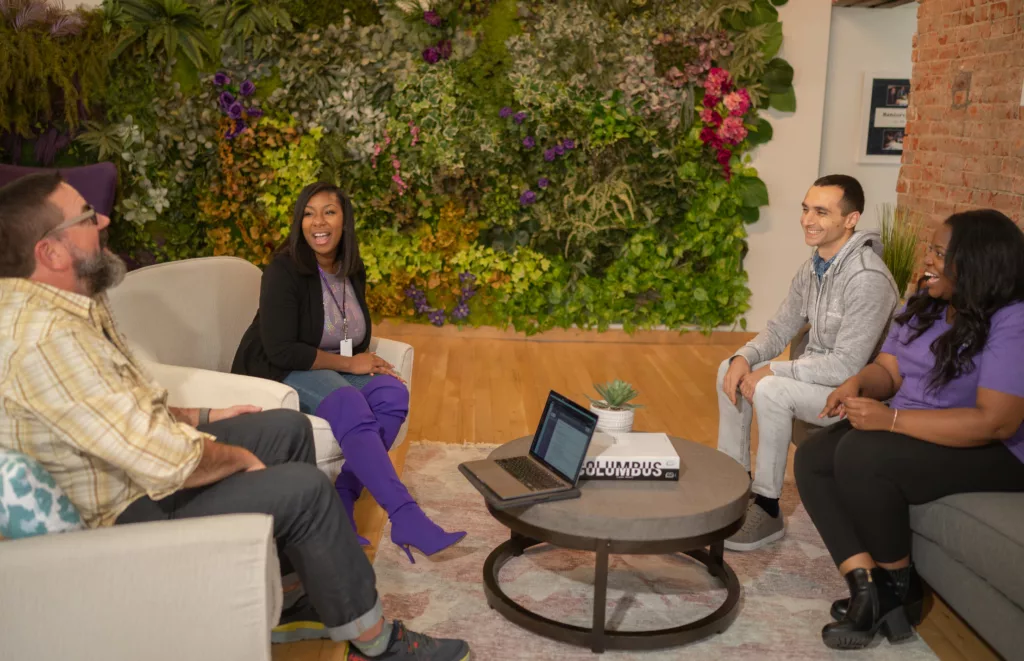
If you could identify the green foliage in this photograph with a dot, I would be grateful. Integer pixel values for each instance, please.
(318, 13)
(901, 232)
(249, 24)
(52, 63)
(615, 396)
(552, 155)
(169, 27)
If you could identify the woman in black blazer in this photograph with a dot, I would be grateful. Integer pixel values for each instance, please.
(312, 332)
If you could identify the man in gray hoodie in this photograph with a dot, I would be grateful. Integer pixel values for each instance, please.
(848, 296)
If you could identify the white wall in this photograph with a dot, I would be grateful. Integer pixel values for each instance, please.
(863, 41)
(789, 163)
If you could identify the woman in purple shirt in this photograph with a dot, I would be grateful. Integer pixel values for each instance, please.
(312, 332)
(951, 371)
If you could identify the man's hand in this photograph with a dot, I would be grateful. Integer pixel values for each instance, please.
(749, 383)
(738, 368)
(216, 415)
(252, 463)
(868, 414)
(835, 404)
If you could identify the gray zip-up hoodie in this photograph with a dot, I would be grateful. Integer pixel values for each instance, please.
(849, 310)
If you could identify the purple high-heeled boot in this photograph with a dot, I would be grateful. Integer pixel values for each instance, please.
(361, 431)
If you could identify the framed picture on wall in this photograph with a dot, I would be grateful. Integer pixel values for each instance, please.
(883, 118)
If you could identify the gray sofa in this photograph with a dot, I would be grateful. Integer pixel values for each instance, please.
(966, 548)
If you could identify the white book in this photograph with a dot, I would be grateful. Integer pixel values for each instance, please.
(630, 456)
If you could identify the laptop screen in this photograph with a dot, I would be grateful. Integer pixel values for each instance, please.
(563, 436)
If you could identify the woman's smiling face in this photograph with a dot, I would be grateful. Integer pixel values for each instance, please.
(322, 223)
(938, 283)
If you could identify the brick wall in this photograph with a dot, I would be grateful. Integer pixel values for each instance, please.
(964, 147)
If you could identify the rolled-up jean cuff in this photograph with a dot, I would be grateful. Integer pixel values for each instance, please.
(358, 626)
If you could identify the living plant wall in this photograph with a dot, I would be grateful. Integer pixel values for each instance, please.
(537, 164)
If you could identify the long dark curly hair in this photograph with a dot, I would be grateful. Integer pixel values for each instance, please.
(985, 261)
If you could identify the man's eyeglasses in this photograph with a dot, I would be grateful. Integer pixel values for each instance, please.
(88, 215)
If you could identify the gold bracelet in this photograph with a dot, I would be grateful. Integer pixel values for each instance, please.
(895, 414)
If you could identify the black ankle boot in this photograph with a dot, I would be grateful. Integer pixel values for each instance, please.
(908, 587)
(874, 605)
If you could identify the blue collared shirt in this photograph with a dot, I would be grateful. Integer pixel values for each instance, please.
(821, 265)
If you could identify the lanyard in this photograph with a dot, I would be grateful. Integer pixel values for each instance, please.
(341, 306)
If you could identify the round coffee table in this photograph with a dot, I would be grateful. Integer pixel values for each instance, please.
(701, 510)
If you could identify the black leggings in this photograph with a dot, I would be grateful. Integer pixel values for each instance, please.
(858, 486)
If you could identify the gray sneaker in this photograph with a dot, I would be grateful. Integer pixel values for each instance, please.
(759, 530)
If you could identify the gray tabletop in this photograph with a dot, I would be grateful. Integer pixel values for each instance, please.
(711, 493)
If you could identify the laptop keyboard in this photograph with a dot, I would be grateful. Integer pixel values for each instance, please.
(527, 472)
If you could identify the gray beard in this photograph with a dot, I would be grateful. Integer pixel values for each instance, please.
(99, 272)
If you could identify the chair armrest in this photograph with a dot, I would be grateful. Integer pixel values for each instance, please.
(189, 387)
(397, 353)
(205, 588)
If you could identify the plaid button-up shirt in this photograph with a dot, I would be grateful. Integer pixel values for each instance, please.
(73, 397)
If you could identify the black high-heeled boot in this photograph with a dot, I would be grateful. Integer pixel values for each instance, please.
(908, 587)
(874, 606)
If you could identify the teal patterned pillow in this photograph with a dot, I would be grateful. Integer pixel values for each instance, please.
(31, 503)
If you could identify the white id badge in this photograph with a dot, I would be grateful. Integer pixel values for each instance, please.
(346, 348)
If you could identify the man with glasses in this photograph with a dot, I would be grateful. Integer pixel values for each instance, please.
(73, 397)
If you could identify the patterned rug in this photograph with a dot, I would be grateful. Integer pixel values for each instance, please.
(787, 589)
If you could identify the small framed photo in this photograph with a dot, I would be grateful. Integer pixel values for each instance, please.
(883, 118)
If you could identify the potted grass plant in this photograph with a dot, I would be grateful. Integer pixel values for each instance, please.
(614, 409)
(901, 230)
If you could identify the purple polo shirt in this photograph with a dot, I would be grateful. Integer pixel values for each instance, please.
(999, 366)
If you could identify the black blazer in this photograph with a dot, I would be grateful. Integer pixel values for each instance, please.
(286, 332)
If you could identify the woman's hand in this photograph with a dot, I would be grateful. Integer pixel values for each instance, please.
(372, 364)
(868, 414)
(834, 405)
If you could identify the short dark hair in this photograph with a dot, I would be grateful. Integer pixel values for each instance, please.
(348, 247)
(853, 192)
(25, 215)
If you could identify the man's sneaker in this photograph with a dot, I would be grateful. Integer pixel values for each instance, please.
(759, 529)
(408, 645)
(300, 622)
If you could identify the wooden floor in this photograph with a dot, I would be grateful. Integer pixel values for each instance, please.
(487, 386)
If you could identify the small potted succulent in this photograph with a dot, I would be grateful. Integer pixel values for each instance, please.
(614, 411)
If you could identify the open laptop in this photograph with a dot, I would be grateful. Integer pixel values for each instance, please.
(552, 467)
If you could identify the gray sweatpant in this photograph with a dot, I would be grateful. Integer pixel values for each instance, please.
(778, 401)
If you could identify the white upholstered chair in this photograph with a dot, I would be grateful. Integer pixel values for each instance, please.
(186, 318)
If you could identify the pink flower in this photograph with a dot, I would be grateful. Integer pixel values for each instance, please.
(723, 157)
(709, 137)
(738, 103)
(395, 163)
(718, 82)
(402, 186)
(710, 100)
(415, 131)
(709, 116)
(732, 130)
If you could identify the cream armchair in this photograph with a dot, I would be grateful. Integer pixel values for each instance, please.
(185, 320)
(207, 588)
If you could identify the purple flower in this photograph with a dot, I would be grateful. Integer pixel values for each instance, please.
(560, 150)
(220, 79)
(431, 55)
(255, 112)
(247, 88)
(519, 117)
(460, 312)
(235, 110)
(235, 130)
(432, 18)
(466, 277)
(529, 142)
(569, 144)
(505, 112)
(527, 198)
(543, 182)
(444, 49)
(550, 155)
(436, 317)
(225, 100)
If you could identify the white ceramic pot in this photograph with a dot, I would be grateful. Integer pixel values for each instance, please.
(613, 421)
